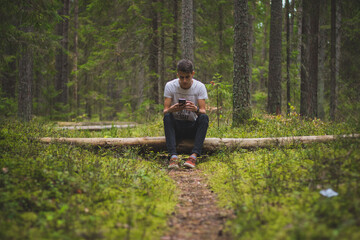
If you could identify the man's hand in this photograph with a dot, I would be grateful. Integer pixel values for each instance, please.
(177, 107)
(168, 108)
(190, 106)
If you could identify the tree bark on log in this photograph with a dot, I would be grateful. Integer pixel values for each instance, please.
(210, 144)
(102, 123)
(97, 128)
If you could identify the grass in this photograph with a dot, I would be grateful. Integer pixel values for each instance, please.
(60, 191)
(261, 125)
(275, 192)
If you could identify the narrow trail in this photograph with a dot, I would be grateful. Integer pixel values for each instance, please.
(196, 216)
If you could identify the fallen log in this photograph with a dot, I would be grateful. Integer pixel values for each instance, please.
(210, 144)
(69, 124)
(96, 127)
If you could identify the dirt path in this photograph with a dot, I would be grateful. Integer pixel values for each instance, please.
(196, 216)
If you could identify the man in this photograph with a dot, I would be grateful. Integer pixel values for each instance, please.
(188, 119)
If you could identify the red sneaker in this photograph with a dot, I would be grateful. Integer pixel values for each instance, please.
(190, 162)
(174, 163)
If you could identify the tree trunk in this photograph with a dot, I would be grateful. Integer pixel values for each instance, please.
(141, 76)
(335, 47)
(76, 55)
(61, 59)
(274, 82)
(97, 127)
(251, 45)
(153, 51)
(314, 57)
(309, 58)
(304, 74)
(25, 82)
(161, 53)
(175, 33)
(299, 15)
(338, 46)
(288, 53)
(241, 91)
(264, 48)
(210, 144)
(187, 30)
(221, 38)
(322, 59)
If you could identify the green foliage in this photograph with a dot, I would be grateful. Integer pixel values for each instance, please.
(64, 192)
(262, 125)
(8, 107)
(275, 192)
(220, 94)
(59, 191)
(259, 100)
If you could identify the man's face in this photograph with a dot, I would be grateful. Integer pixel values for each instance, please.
(185, 79)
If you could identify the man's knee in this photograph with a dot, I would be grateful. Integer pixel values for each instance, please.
(204, 119)
(167, 117)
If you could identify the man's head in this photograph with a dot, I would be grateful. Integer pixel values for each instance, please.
(185, 72)
(185, 66)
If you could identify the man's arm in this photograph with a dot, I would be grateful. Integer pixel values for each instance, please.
(190, 106)
(174, 108)
(202, 109)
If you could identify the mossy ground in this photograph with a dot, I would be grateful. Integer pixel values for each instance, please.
(60, 191)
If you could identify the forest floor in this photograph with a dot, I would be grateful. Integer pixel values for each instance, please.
(197, 215)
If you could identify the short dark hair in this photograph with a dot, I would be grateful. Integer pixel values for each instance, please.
(185, 65)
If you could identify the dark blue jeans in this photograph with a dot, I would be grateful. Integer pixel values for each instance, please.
(176, 130)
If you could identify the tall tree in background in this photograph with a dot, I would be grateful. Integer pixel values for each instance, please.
(288, 53)
(76, 55)
(61, 60)
(314, 57)
(274, 84)
(153, 51)
(221, 35)
(241, 85)
(252, 19)
(309, 58)
(25, 80)
(114, 54)
(187, 30)
(161, 50)
(175, 33)
(323, 68)
(335, 53)
(264, 46)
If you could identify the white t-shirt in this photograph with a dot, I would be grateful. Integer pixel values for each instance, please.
(195, 92)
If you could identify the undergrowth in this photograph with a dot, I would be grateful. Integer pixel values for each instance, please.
(261, 125)
(275, 193)
(59, 191)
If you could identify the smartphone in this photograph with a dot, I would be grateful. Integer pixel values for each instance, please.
(182, 101)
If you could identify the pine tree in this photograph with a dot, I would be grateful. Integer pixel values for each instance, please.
(274, 83)
(241, 86)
